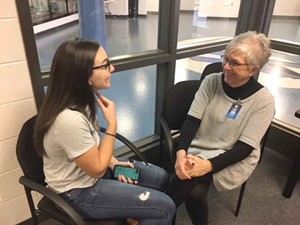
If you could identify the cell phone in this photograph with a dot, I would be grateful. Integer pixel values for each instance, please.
(128, 172)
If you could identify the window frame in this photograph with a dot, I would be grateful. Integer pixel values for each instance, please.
(164, 56)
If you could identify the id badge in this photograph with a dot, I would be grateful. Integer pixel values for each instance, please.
(234, 110)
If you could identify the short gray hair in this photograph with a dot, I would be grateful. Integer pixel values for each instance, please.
(255, 46)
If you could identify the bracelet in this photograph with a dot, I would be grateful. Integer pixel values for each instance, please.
(113, 135)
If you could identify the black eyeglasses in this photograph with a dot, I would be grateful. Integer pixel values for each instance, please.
(105, 66)
(233, 64)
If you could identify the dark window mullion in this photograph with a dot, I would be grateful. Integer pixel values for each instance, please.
(31, 51)
(255, 15)
(285, 46)
(167, 41)
(186, 52)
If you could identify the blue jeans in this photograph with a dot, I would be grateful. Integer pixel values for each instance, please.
(109, 198)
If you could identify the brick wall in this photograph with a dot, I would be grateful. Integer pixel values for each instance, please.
(16, 106)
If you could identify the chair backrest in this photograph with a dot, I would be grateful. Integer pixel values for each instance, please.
(215, 67)
(179, 98)
(31, 164)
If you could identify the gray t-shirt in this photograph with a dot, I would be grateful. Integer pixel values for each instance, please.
(218, 132)
(70, 136)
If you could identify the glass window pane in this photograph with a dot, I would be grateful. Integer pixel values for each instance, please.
(281, 76)
(72, 6)
(128, 35)
(39, 10)
(285, 24)
(191, 68)
(119, 29)
(207, 20)
(58, 8)
(133, 92)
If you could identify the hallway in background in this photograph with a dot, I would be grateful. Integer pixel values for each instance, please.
(281, 74)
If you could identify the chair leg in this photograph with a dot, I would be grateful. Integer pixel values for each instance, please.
(31, 206)
(263, 143)
(239, 203)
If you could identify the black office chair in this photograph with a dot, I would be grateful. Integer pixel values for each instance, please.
(51, 203)
(215, 67)
(176, 106)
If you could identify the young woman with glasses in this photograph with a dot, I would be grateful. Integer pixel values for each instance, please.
(78, 164)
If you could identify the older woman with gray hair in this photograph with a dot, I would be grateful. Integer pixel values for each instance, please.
(220, 138)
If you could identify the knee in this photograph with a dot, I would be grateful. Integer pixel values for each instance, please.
(154, 176)
(161, 178)
(168, 205)
(163, 175)
(199, 193)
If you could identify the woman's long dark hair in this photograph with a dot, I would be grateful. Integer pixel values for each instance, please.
(71, 68)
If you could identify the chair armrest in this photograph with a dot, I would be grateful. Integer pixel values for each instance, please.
(168, 136)
(53, 197)
(129, 144)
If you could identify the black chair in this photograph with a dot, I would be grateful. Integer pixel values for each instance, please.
(177, 102)
(242, 190)
(51, 204)
(215, 67)
(176, 106)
